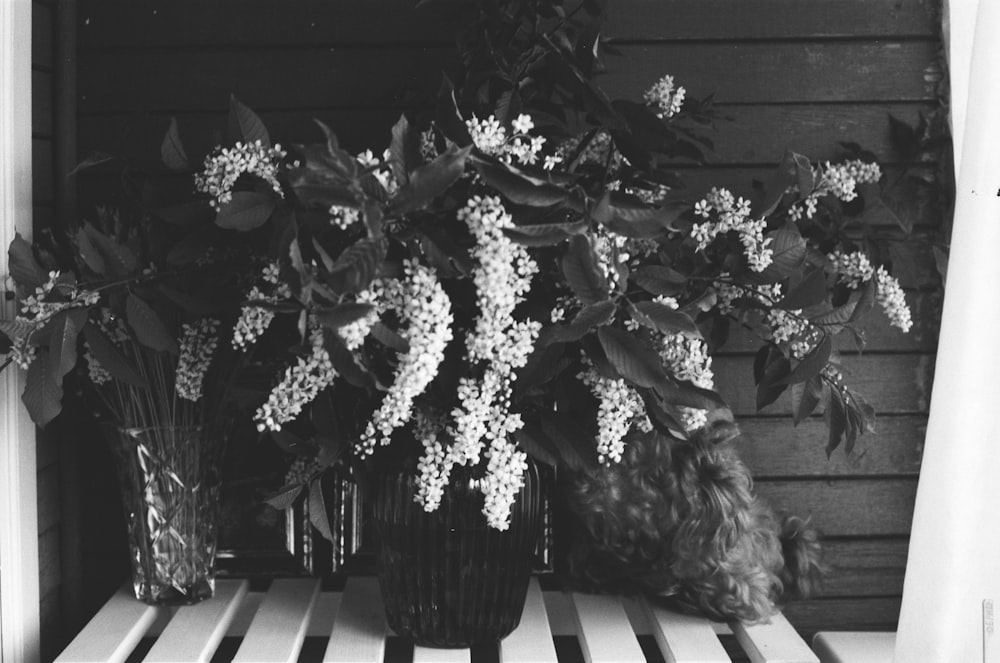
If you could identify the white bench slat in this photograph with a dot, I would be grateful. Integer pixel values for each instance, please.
(605, 633)
(775, 642)
(685, 638)
(855, 646)
(279, 627)
(531, 641)
(113, 632)
(433, 655)
(194, 632)
(359, 629)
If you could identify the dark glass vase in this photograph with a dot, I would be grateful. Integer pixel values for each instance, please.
(447, 579)
(170, 478)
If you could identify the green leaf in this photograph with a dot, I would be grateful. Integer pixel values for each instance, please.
(285, 497)
(246, 211)
(389, 338)
(865, 302)
(543, 365)
(518, 187)
(118, 259)
(148, 328)
(643, 222)
(534, 443)
(63, 331)
(682, 392)
(193, 304)
(664, 319)
(245, 125)
(633, 360)
(789, 252)
(658, 280)
(576, 449)
(318, 515)
(401, 151)
(108, 356)
(24, 269)
(172, 149)
(579, 266)
(805, 397)
(42, 392)
(771, 367)
(811, 365)
(358, 265)
(589, 317)
(809, 292)
(194, 212)
(430, 181)
(836, 420)
(544, 234)
(346, 364)
(344, 314)
(92, 160)
(88, 253)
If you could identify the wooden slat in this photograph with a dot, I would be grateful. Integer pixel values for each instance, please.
(42, 117)
(876, 507)
(844, 614)
(41, 35)
(433, 655)
(685, 638)
(899, 384)
(359, 629)
(531, 641)
(855, 647)
(113, 632)
(195, 631)
(864, 567)
(776, 450)
(269, 80)
(605, 633)
(279, 627)
(350, 21)
(775, 642)
(41, 180)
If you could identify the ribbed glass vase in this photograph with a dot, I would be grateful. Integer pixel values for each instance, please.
(170, 478)
(447, 579)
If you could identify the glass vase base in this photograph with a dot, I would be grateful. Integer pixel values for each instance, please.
(175, 595)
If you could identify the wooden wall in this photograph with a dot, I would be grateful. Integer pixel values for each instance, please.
(795, 74)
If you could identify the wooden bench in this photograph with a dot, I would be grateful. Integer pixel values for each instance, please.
(349, 627)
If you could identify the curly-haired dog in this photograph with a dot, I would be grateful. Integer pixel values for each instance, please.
(678, 519)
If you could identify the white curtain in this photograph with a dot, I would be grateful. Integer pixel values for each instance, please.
(953, 570)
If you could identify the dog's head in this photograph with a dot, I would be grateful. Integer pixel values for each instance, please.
(678, 519)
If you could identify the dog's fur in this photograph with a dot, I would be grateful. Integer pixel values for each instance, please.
(678, 519)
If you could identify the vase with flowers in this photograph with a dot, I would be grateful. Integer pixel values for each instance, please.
(105, 314)
(519, 279)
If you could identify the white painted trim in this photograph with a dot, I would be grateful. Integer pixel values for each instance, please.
(19, 596)
(958, 30)
(952, 571)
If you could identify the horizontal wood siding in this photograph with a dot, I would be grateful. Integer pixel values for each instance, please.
(789, 74)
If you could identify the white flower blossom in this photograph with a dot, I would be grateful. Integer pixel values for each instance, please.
(687, 359)
(255, 319)
(853, 269)
(343, 217)
(733, 215)
(488, 135)
(620, 406)
(225, 165)
(434, 466)
(198, 344)
(890, 297)
(300, 385)
(425, 312)
(666, 98)
(97, 373)
(503, 481)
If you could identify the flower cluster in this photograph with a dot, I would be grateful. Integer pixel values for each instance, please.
(620, 406)
(503, 481)
(198, 343)
(490, 137)
(890, 297)
(425, 311)
(666, 98)
(226, 165)
(255, 319)
(732, 215)
(839, 180)
(300, 385)
(852, 269)
(688, 359)
(434, 466)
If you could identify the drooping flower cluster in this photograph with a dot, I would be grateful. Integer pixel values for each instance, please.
(727, 292)
(434, 466)
(490, 137)
(224, 166)
(890, 297)
(198, 342)
(97, 373)
(852, 269)
(503, 481)
(380, 170)
(839, 180)
(255, 319)
(732, 215)
(353, 334)
(343, 217)
(425, 313)
(666, 98)
(687, 359)
(619, 408)
(300, 385)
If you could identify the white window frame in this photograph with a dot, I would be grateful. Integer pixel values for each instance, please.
(19, 593)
